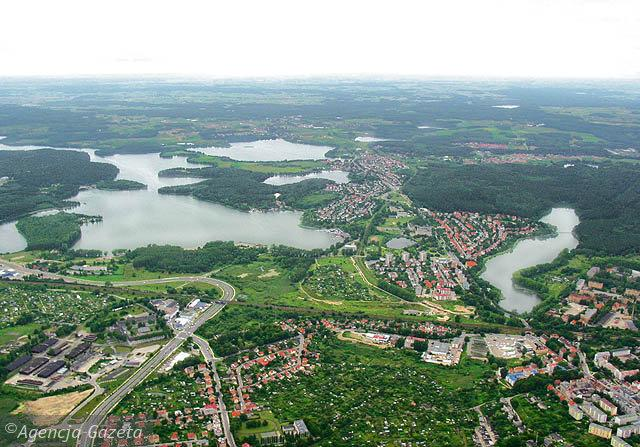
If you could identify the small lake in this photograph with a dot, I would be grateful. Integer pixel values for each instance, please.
(366, 139)
(400, 242)
(137, 218)
(336, 176)
(10, 238)
(268, 150)
(499, 270)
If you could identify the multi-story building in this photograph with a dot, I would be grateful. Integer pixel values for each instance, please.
(575, 412)
(623, 419)
(600, 430)
(628, 431)
(608, 407)
(617, 442)
(594, 412)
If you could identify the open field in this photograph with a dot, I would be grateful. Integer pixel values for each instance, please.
(15, 333)
(52, 409)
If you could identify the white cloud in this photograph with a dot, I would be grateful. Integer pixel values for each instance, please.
(494, 38)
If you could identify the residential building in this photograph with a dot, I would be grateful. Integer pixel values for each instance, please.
(600, 430)
(594, 412)
(617, 442)
(575, 412)
(628, 430)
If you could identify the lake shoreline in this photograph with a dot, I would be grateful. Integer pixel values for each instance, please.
(499, 270)
(174, 220)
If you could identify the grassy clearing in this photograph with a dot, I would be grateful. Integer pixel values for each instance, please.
(126, 272)
(13, 333)
(178, 285)
(267, 422)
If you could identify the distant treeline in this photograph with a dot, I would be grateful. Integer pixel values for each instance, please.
(40, 179)
(392, 110)
(245, 190)
(607, 197)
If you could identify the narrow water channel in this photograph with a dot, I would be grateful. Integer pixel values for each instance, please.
(525, 253)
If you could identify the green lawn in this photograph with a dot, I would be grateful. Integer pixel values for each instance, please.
(15, 332)
(272, 424)
(127, 272)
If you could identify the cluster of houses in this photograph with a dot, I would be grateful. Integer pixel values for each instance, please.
(192, 425)
(484, 435)
(357, 200)
(518, 158)
(374, 165)
(273, 363)
(429, 277)
(593, 303)
(473, 235)
(469, 236)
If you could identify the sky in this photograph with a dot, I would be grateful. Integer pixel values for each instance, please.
(301, 38)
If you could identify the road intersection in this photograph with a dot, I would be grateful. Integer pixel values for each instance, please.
(91, 425)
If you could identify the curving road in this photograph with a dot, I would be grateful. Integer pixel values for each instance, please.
(98, 415)
(102, 410)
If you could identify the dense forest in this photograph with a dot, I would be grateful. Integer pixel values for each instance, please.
(54, 231)
(170, 258)
(606, 197)
(39, 179)
(245, 190)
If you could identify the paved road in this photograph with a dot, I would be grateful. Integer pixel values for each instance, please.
(26, 271)
(102, 410)
(97, 391)
(206, 350)
(584, 365)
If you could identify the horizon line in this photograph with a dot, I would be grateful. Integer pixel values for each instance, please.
(297, 77)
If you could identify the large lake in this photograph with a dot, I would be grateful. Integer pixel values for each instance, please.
(499, 270)
(268, 150)
(137, 218)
